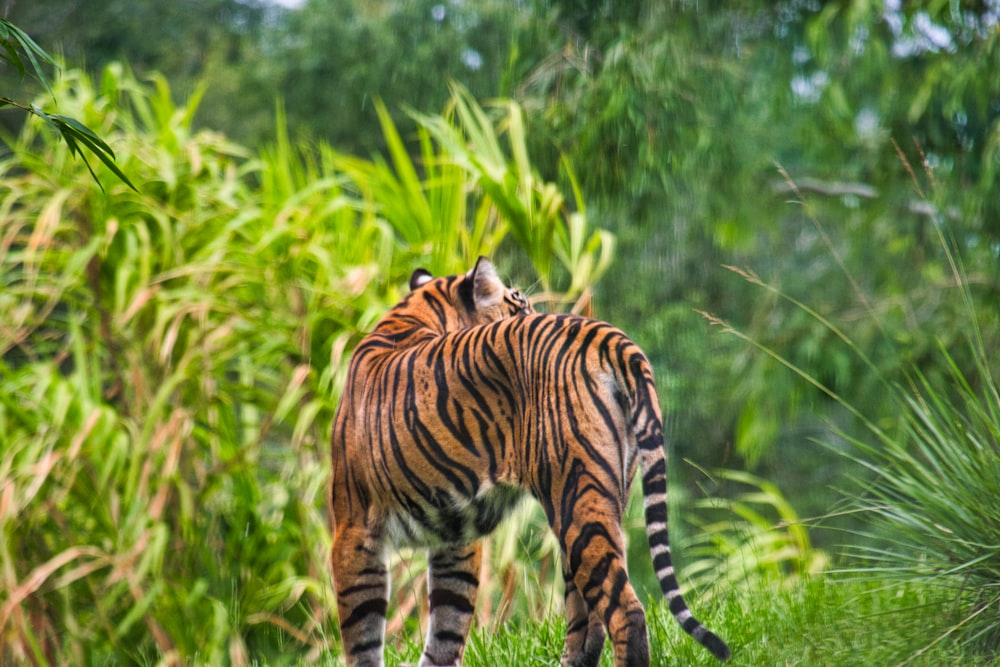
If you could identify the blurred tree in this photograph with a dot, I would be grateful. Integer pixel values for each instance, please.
(676, 114)
(673, 116)
(331, 59)
(891, 117)
(185, 40)
(176, 38)
(327, 59)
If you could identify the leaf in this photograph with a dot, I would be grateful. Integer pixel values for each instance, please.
(73, 130)
(11, 33)
(13, 58)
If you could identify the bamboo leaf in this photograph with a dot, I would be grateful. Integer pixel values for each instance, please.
(73, 130)
(11, 33)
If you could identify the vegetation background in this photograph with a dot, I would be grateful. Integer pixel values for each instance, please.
(792, 206)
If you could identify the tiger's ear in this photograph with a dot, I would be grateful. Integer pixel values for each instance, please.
(419, 278)
(488, 290)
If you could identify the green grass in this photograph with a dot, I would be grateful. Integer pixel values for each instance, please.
(825, 621)
(820, 620)
(933, 499)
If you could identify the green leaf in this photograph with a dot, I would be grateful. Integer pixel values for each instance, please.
(11, 33)
(73, 130)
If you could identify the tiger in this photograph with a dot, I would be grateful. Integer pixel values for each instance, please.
(461, 401)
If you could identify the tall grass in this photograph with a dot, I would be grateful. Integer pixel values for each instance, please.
(534, 212)
(161, 421)
(930, 475)
(757, 538)
(933, 498)
(170, 359)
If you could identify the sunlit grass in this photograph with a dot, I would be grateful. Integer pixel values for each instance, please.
(820, 620)
(933, 501)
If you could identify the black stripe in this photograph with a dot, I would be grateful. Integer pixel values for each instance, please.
(444, 598)
(448, 636)
(351, 590)
(465, 577)
(662, 561)
(656, 513)
(466, 292)
(656, 472)
(364, 647)
(363, 611)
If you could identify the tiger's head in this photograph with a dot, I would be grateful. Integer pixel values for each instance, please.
(457, 302)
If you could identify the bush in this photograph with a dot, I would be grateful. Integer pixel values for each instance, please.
(928, 466)
(170, 359)
(934, 497)
(161, 414)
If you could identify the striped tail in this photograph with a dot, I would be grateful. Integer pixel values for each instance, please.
(649, 433)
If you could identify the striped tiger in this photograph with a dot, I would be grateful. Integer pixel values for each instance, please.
(462, 400)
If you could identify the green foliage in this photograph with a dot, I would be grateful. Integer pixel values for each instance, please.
(930, 452)
(669, 116)
(932, 501)
(932, 493)
(865, 239)
(758, 538)
(170, 359)
(534, 212)
(675, 114)
(161, 423)
(428, 211)
(13, 40)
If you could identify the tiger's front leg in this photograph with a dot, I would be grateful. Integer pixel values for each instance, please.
(362, 584)
(453, 581)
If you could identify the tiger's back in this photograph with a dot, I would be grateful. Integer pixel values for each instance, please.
(402, 426)
(445, 456)
(440, 431)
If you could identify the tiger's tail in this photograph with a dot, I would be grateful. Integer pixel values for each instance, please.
(648, 425)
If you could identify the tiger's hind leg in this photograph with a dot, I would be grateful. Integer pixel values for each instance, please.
(453, 581)
(362, 584)
(594, 547)
(584, 631)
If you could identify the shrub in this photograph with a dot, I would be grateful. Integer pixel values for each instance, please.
(929, 474)
(170, 358)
